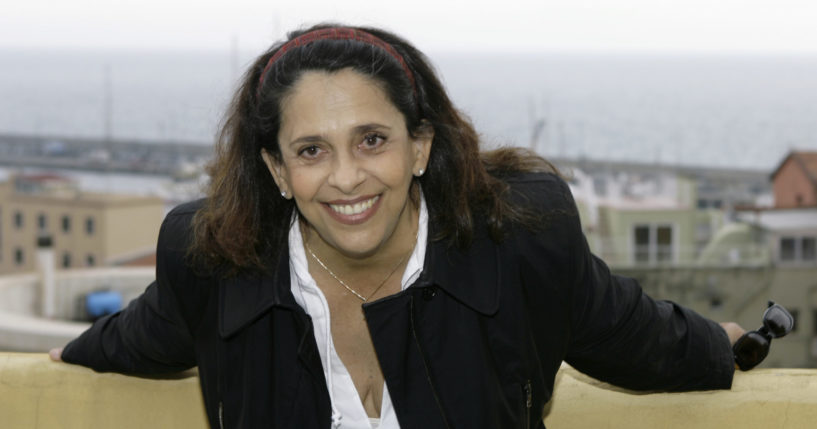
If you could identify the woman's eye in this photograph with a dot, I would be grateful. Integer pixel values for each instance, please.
(372, 141)
(310, 151)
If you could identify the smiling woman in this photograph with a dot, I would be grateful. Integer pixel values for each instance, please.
(359, 262)
(347, 159)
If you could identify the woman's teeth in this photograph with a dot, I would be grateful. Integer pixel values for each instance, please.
(353, 209)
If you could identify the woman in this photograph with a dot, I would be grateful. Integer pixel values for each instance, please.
(358, 261)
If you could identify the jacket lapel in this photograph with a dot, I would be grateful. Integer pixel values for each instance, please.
(470, 275)
(246, 296)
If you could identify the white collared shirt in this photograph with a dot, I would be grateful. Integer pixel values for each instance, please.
(346, 402)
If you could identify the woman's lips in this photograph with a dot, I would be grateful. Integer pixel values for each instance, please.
(354, 211)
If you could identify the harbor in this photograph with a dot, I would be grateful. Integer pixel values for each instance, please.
(168, 158)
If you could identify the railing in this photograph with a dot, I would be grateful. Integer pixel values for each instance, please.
(38, 393)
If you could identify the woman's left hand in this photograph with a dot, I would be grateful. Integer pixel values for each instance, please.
(55, 354)
(733, 331)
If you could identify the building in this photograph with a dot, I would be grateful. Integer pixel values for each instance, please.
(795, 181)
(86, 229)
(714, 241)
(791, 225)
(644, 218)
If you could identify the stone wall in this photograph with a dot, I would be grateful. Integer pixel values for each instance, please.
(38, 393)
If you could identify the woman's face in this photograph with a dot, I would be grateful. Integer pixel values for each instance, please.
(347, 160)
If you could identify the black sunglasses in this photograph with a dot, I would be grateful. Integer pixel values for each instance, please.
(752, 347)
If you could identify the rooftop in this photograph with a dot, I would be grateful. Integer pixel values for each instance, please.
(781, 219)
(807, 161)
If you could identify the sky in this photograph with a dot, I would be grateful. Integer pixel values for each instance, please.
(743, 26)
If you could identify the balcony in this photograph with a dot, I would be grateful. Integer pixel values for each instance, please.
(38, 393)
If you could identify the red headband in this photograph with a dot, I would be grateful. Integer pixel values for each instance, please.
(337, 33)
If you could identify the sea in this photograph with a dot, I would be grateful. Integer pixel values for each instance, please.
(711, 110)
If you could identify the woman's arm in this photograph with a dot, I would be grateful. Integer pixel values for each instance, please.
(617, 333)
(151, 335)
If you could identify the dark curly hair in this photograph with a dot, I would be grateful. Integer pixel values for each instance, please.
(244, 221)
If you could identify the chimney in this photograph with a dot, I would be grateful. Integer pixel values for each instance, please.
(45, 260)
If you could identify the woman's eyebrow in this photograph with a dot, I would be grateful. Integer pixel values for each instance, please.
(308, 139)
(360, 129)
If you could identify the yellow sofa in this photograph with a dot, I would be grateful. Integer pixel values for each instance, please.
(38, 393)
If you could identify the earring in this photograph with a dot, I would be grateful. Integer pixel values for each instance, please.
(284, 194)
(420, 173)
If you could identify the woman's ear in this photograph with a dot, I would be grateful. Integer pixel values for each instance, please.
(422, 147)
(278, 172)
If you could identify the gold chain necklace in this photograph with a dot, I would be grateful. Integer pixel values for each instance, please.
(356, 293)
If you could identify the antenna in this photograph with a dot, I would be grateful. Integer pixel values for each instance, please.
(234, 58)
(108, 121)
(108, 104)
(538, 124)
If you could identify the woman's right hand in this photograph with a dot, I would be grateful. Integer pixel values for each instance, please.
(56, 354)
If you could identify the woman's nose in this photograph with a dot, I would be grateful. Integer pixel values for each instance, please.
(346, 174)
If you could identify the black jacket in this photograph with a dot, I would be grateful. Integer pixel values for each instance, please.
(475, 342)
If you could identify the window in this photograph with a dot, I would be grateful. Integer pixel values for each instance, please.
(19, 256)
(90, 260)
(66, 224)
(798, 249)
(89, 226)
(18, 220)
(653, 243)
(787, 249)
(808, 249)
(66, 260)
(642, 244)
(663, 243)
(42, 222)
